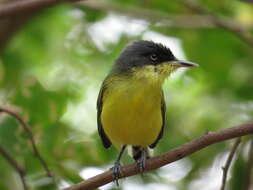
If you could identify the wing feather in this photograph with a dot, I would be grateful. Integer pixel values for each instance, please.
(105, 139)
(163, 112)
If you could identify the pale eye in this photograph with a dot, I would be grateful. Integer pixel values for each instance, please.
(153, 57)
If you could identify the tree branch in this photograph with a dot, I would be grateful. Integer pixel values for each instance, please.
(163, 19)
(228, 162)
(14, 14)
(249, 165)
(171, 156)
(20, 170)
(223, 22)
(19, 7)
(30, 135)
(203, 19)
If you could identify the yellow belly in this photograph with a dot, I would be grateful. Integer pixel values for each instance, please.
(132, 114)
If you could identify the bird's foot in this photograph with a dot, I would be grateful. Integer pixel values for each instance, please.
(142, 161)
(116, 172)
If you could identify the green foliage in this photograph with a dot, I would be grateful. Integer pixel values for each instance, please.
(52, 69)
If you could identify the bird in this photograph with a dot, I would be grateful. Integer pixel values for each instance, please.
(131, 108)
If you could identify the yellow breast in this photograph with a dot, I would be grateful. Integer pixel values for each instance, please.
(131, 112)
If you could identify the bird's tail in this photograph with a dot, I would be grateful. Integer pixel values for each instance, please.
(137, 151)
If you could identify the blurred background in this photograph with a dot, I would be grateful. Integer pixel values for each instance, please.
(52, 63)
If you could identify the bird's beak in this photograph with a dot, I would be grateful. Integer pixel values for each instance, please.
(179, 63)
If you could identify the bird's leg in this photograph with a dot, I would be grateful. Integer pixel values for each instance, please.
(116, 171)
(142, 160)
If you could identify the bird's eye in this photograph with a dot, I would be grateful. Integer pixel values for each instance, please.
(153, 57)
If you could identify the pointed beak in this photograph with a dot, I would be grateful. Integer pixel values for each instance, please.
(179, 63)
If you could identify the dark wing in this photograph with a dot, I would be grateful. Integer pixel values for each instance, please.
(163, 112)
(105, 140)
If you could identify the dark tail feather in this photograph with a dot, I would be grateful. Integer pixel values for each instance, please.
(137, 150)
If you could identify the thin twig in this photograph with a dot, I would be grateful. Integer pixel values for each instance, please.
(20, 170)
(222, 22)
(30, 135)
(248, 176)
(166, 158)
(228, 162)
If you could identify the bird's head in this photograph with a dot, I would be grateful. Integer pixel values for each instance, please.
(146, 59)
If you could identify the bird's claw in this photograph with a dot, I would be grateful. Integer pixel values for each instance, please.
(116, 172)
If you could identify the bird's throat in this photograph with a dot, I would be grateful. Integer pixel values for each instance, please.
(151, 74)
